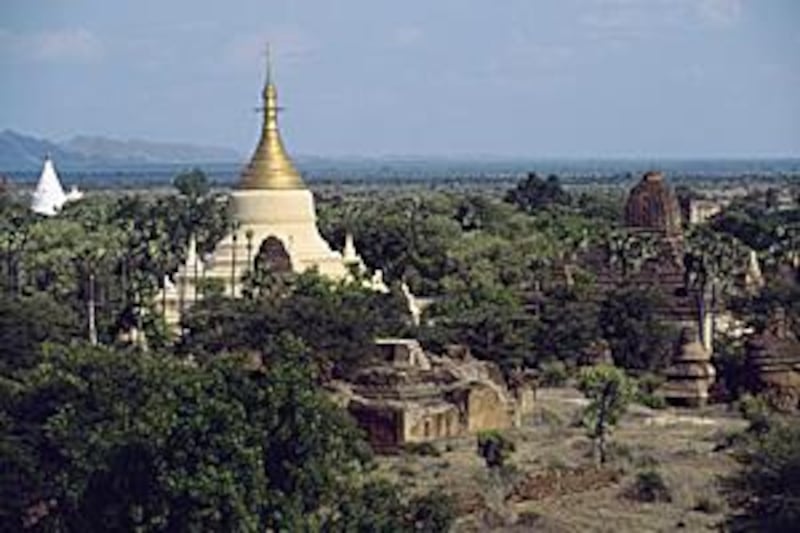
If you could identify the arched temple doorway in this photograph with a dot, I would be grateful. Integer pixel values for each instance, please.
(272, 256)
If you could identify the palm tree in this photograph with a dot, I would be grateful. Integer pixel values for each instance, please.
(712, 262)
(90, 266)
(249, 236)
(629, 251)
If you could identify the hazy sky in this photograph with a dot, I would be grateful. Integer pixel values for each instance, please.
(536, 78)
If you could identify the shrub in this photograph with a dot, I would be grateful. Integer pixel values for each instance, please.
(609, 391)
(732, 376)
(647, 391)
(620, 452)
(755, 410)
(425, 449)
(649, 487)
(379, 506)
(431, 512)
(766, 492)
(638, 337)
(553, 374)
(495, 448)
(646, 461)
(653, 401)
(211, 287)
(649, 382)
(708, 504)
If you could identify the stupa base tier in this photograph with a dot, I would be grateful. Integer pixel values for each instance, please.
(269, 207)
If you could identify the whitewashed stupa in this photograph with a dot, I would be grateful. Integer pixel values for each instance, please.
(276, 223)
(49, 196)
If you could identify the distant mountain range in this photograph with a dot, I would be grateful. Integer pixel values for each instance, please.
(20, 152)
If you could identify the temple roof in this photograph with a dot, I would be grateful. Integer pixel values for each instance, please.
(270, 167)
(49, 197)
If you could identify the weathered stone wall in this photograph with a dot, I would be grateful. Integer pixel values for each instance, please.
(486, 409)
(430, 425)
(408, 396)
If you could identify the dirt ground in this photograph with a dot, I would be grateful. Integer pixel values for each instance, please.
(552, 484)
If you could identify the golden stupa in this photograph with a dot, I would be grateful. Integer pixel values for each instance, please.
(270, 167)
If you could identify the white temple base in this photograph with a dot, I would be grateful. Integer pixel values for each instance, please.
(287, 215)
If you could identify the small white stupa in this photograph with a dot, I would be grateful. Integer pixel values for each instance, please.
(49, 196)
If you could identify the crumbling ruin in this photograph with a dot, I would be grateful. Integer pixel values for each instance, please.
(409, 396)
(773, 362)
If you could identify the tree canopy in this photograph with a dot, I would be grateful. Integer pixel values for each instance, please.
(95, 440)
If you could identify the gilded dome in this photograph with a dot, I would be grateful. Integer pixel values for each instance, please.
(653, 206)
(270, 167)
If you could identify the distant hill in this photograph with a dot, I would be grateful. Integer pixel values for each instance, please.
(20, 152)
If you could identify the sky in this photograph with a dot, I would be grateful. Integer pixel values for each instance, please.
(452, 78)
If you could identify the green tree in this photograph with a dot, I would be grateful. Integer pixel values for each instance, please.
(26, 323)
(406, 237)
(97, 440)
(568, 324)
(535, 193)
(779, 298)
(377, 506)
(628, 252)
(338, 321)
(15, 223)
(108, 441)
(713, 262)
(772, 232)
(629, 321)
(609, 392)
(490, 319)
(199, 211)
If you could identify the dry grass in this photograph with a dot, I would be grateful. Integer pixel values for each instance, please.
(680, 444)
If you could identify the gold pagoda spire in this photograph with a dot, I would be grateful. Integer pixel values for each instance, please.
(270, 167)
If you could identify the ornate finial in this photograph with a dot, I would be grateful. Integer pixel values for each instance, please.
(270, 167)
(269, 63)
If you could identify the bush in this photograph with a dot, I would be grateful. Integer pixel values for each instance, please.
(766, 492)
(708, 505)
(378, 506)
(755, 410)
(646, 461)
(431, 512)
(653, 401)
(732, 375)
(647, 391)
(425, 449)
(609, 391)
(630, 322)
(620, 452)
(211, 287)
(649, 487)
(495, 448)
(553, 374)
